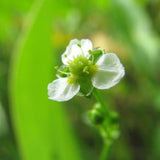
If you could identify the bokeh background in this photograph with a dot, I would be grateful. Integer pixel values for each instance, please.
(34, 34)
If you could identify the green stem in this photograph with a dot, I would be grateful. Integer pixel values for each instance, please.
(106, 147)
(104, 153)
(100, 100)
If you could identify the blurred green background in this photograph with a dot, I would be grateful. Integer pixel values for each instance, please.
(34, 34)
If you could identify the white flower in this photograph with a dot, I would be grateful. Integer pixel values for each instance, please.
(73, 49)
(106, 73)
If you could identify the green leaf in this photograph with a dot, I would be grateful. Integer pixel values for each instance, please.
(41, 125)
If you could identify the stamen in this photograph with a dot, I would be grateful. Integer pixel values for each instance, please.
(85, 69)
(92, 58)
(90, 52)
(66, 73)
(82, 52)
(71, 80)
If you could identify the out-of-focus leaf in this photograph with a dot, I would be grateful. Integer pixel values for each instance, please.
(3, 122)
(133, 26)
(101, 4)
(142, 2)
(155, 147)
(41, 126)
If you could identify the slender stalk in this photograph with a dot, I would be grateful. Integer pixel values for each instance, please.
(106, 147)
(100, 100)
(104, 153)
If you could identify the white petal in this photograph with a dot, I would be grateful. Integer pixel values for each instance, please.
(86, 45)
(110, 71)
(72, 50)
(61, 90)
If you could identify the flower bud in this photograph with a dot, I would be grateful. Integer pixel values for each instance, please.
(114, 117)
(95, 115)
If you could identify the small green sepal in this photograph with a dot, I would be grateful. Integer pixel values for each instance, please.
(96, 53)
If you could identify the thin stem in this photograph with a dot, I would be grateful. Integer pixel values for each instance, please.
(106, 147)
(104, 153)
(100, 100)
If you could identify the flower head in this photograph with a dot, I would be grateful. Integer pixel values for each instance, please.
(85, 68)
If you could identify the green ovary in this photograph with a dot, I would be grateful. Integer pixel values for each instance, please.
(81, 68)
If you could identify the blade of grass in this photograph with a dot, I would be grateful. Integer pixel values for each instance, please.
(41, 126)
(132, 24)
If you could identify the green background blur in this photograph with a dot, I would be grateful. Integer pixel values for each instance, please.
(34, 34)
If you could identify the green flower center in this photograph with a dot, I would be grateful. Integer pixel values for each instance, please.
(81, 69)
